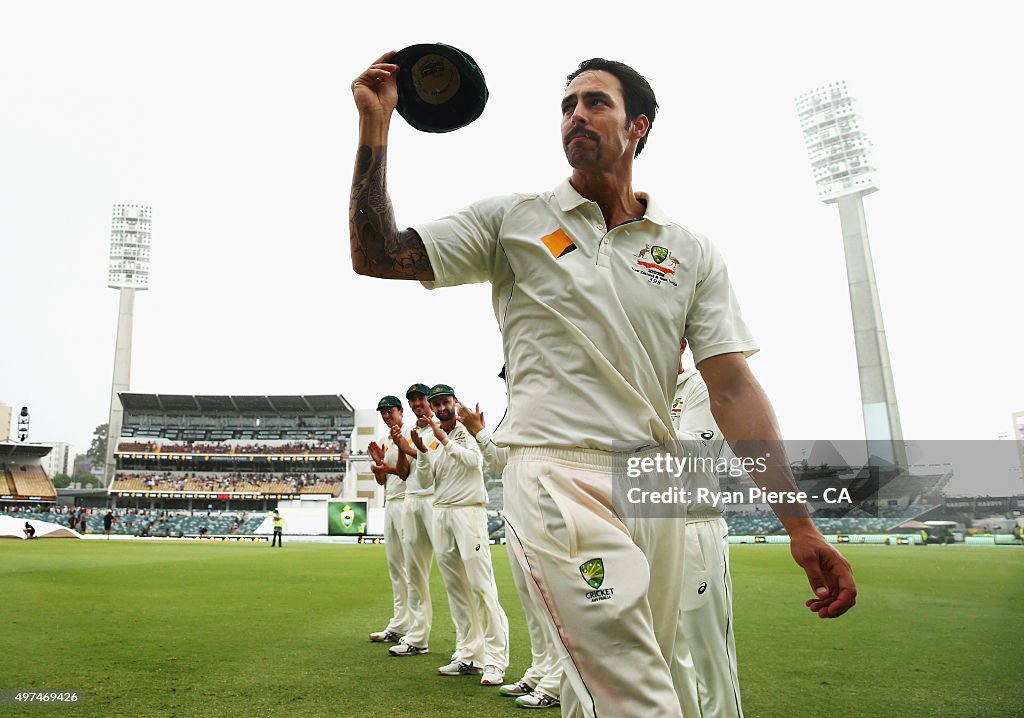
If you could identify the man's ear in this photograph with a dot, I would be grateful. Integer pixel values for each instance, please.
(638, 126)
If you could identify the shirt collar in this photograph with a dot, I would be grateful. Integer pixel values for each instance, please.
(569, 199)
(567, 196)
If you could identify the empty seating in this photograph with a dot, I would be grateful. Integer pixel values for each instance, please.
(31, 481)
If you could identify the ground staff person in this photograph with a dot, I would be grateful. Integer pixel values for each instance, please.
(277, 538)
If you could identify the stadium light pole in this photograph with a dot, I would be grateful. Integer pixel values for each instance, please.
(840, 155)
(128, 272)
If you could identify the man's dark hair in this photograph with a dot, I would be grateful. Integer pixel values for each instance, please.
(636, 91)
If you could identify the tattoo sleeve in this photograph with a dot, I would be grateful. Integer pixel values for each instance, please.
(379, 249)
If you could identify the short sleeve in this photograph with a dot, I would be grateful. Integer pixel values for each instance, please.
(714, 323)
(463, 246)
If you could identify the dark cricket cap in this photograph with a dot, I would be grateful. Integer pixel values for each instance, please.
(440, 87)
(440, 390)
(388, 401)
(417, 389)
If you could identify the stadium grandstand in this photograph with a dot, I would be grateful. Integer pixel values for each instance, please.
(229, 452)
(22, 476)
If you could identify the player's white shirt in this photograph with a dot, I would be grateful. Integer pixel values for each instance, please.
(591, 318)
(394, 489)
(456, 468)
(696, 427)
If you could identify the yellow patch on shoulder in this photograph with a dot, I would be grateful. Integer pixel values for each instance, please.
(557, 242)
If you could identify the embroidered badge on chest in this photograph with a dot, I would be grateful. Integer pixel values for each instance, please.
(658, 265)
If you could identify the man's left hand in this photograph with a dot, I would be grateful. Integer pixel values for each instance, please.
(829, 574)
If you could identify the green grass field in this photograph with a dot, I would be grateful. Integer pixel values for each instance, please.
(205, 629)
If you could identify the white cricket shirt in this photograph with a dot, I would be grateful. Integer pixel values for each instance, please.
(591, 318)
(457, 468)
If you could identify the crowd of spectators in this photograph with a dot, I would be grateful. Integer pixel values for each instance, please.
(227, 483)
(198, 447)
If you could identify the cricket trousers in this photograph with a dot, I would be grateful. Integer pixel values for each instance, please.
(611, 583)
(464, 560)
(545, 671)
(418, 547)
(705, 664)
(394, 516)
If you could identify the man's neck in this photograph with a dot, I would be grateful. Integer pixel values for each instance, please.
(613, 193)
(448, 425)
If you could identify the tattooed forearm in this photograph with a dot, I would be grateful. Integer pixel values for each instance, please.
(379, 249)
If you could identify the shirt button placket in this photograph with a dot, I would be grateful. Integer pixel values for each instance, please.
(604, 246)
(604, 252)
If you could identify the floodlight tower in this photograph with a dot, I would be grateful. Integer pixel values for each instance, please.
(840, 154)
(128, 272)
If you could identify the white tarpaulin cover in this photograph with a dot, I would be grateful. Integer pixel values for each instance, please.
(11, 527)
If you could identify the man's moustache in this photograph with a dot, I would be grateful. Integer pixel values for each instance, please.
(578, 132)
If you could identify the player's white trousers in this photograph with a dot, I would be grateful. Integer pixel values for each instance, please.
(394, 516)
(464, 559)
(610, 583)
(545, 671)
(418, 546)
(705, 662)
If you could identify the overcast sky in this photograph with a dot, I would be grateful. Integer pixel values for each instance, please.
(235, 122)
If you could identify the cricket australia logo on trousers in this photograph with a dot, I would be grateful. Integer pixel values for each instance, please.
(662, 268)
(593, 573)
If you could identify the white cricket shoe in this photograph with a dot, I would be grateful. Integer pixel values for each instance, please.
(385, 637)
(493, 676)
(405, 649)
(458, 668)
(537, 699)
(514, 690)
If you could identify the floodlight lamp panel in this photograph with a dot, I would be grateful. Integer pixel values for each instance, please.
(837, 146)
(130, 231)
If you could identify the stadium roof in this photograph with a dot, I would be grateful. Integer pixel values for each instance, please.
(13, 448)
(289, 405)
